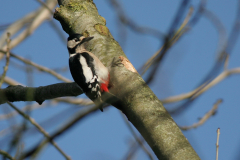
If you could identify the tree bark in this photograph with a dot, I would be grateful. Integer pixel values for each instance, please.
(142, 108)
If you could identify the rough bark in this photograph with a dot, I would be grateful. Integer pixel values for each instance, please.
(142, 108)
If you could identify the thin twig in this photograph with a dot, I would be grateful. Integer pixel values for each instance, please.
(222, 44)
(43, 14)
(131, 24)
(226, 62)
(134, 146)
(178, 17)
(7, 59)
(44, 5)
(5, 154)
(226, 46)
(79, 116)
(14, 113)
(198, 91)
(217, 144)
(204, 118)
(167, 44)
(174, 39)
(59, 31)
(40, 129)
(198, 13)
(75, 101)
(234, 33)
(136, 138)
(39, 67)
(17, 26)
(11, 81)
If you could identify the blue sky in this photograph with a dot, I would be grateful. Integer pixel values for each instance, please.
(105, 135)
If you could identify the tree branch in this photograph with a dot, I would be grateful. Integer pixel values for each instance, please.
(205, 117)
(5, 154)
(37, 66)
(7, 60)
(38, 94)
(69, 124)
(40, 130)
(217, 144)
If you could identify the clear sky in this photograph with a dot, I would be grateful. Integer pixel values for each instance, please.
(105, 135)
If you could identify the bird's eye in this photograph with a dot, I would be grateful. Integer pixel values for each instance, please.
(76, 39)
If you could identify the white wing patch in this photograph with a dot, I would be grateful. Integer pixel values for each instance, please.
(95, 87)
(86, 70)
(94, 79)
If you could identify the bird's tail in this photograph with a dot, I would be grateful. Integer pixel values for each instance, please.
(99, 103)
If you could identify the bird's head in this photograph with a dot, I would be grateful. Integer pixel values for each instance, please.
(75, 41)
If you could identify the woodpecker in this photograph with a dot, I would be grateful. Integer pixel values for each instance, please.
(86, 69)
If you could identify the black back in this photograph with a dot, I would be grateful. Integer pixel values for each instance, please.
(77, 74)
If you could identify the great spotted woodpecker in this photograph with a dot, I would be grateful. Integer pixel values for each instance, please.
(86, 69)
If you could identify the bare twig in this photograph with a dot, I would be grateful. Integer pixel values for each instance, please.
(227, 48)
(136, 138)
(40, 129)
(226, 62)
(75, 101)
(217, 144)
(11, 81)
(170, 39)
(197, 15)
(182, 29)
(39, 67)
(198, 91)
(16, 26)
(58, 31)
(4, 26)
(222, 44)
(234, 34)
(131, 24)
(42, 15)
(79, 116)
(5, 154)
(179, 15)
(134, 146)
(7, 60)
(204, 118)
(14, 113)
(46, 6)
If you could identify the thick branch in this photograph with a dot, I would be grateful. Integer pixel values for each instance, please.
(138, 102)
(38, 94)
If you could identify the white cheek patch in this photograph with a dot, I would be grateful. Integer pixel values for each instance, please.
(72, 44)
(71, 55)
(87, 72)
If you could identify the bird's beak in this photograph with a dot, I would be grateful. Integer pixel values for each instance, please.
(87, 39)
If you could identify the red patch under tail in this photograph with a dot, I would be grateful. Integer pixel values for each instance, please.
(104, 87)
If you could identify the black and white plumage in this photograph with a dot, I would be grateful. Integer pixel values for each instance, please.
(86, 69)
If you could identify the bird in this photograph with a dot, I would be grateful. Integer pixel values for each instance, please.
(86, 69)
